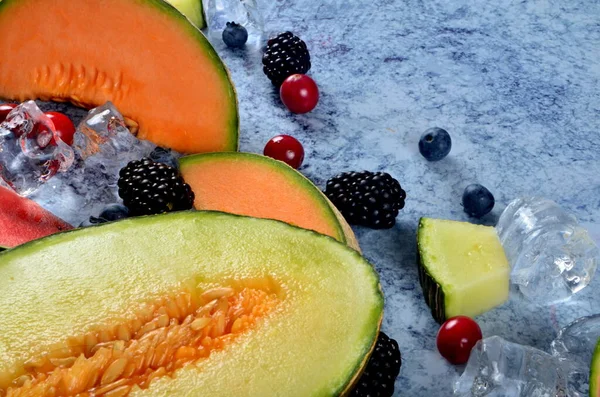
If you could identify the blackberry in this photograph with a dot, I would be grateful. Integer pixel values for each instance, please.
(367, 198)
(285, 55)
(381, 371)
(147, 188)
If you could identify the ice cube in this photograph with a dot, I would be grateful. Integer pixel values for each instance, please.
(103, 145)
(552, 257)
(575, 344)
(497, 368)
(244, 12)
(31, 152)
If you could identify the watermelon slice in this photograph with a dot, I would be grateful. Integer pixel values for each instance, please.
(595, 372)
(22, 220)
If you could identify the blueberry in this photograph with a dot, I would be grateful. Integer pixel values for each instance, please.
(477, 200)
(93, 221)
(164, 156)
(235, 35)
(114, 212)
(435, 144)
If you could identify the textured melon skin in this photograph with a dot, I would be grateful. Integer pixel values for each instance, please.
(212, 241)
(595, 372)
(185, 137)
(343, 232)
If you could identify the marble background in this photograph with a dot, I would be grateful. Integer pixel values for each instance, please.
(514, 82)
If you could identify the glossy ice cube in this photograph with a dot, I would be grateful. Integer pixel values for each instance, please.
(30, 150)
(103, 145)
(552, 257)
(575, 344)
(498, 368)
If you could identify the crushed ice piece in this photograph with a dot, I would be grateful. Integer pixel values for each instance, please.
(551, 255)
(103, 145)
(31, 153)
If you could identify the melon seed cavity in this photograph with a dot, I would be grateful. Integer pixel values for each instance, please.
(174, 331)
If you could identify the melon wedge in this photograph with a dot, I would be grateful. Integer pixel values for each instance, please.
(143, 55)
(192, 9)
(258, 186)
(186, 304)
(22, 220)
(595, 372)
(462, 268)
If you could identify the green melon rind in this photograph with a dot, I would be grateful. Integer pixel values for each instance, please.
(290, 173)
(433, 292)
(198, 11)
(171, 11)
(595, 372)
(372, 325)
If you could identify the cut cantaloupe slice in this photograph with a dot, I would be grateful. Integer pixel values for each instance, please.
(143, 55)
(254, 185)
(186, 304)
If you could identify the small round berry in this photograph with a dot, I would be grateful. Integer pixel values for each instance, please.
(63, 125)
(299, 93)
(456, 339)
(435, 144)
(235, 35)
(477, 200)
(5, 109)
(114, 212)
(164, 156)
(285, 148)
(92, 221)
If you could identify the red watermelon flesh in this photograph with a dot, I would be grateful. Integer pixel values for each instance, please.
(23, 220)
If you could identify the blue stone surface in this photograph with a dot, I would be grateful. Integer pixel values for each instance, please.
(515, 83)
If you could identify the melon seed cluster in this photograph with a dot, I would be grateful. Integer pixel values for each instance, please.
(163, 337)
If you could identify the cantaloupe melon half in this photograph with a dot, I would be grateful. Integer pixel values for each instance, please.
(143, 55)
(259, 186)
(186, 304)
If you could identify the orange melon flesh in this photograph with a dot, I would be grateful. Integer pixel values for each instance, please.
(162, 337)
(258, 186)
(143, 55)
